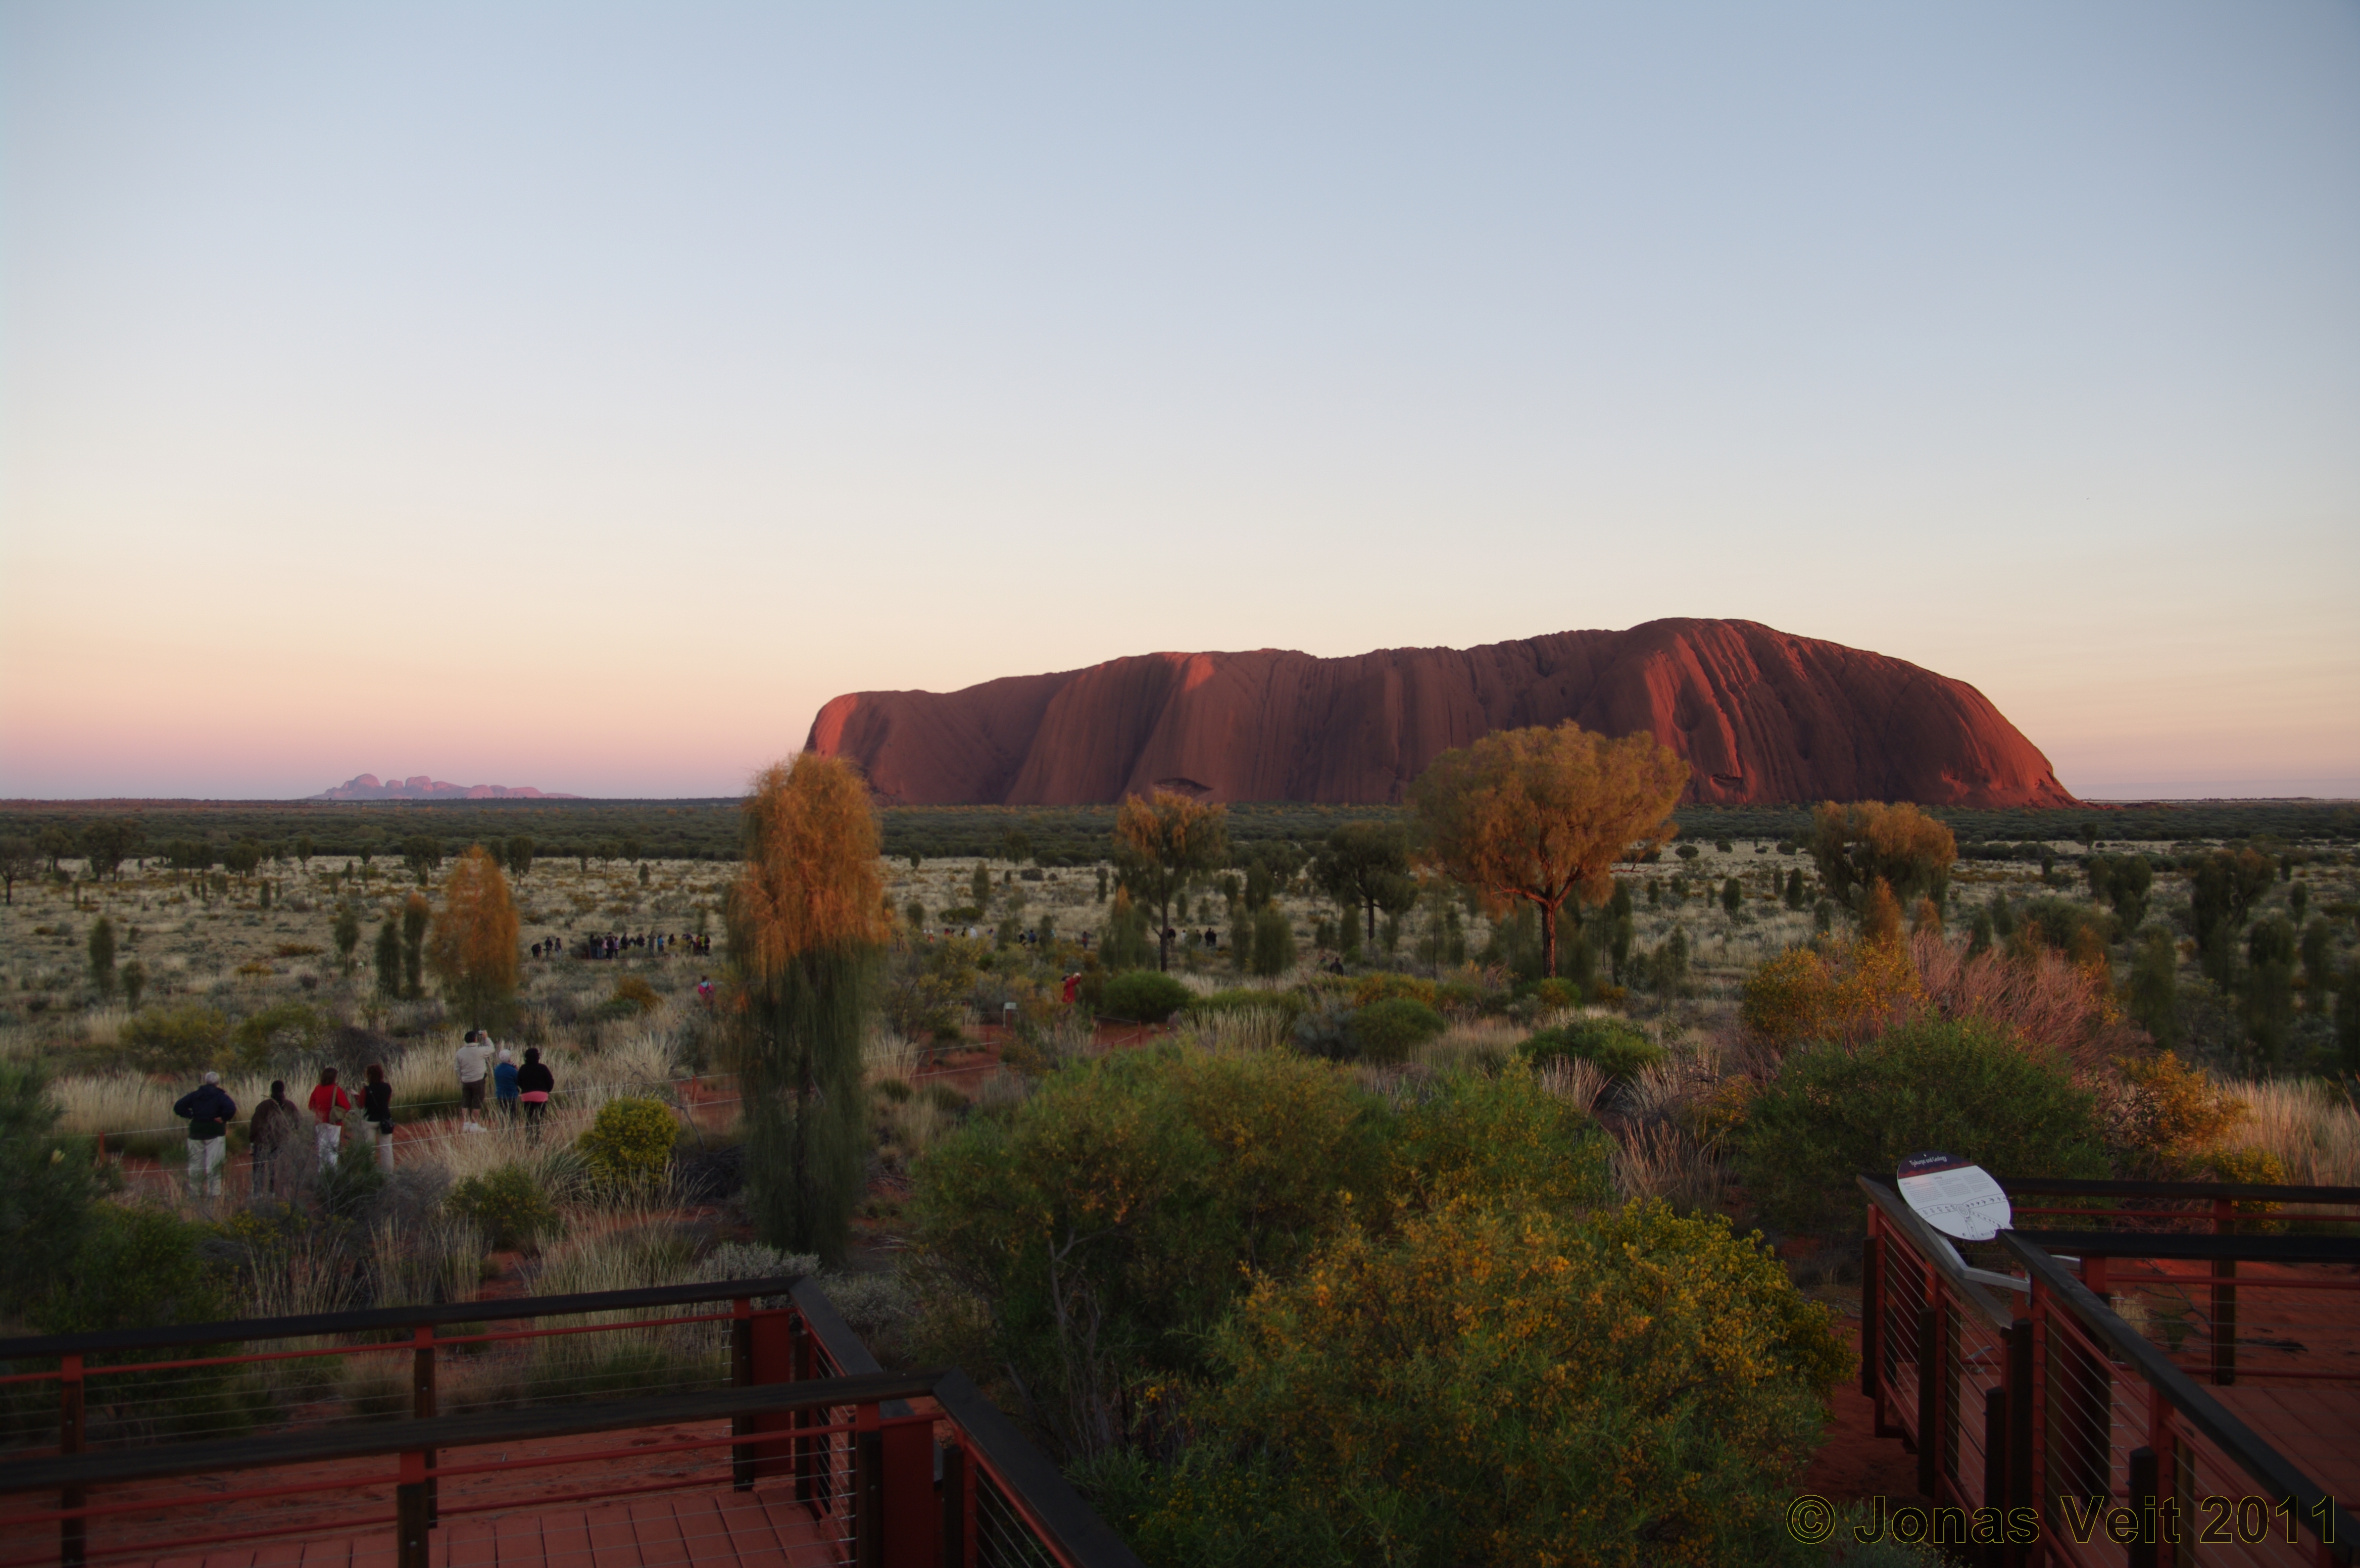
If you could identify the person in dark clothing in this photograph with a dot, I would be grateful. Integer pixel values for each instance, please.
(273, 1126)
(535, 1083)
(376, 1109)
(210, 1110)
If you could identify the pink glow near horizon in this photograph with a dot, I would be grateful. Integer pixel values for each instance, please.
(580, 398)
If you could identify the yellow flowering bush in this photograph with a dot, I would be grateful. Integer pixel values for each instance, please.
(1503, 1384)
(630, 1141)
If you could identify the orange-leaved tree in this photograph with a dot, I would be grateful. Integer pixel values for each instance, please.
(1160, 843)
(808, 925)
(1542, 815)
(1868, 841)
(472, 947)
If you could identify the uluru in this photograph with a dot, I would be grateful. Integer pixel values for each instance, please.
(1761, 715)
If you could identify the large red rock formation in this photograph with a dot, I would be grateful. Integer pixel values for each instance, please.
(1761, 716)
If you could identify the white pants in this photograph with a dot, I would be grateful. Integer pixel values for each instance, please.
(383, 1142)
(204, 1166)
(329, 1136)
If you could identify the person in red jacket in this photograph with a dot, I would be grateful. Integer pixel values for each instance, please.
(329, 1104)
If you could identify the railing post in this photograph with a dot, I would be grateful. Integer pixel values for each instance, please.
(867, 1488)
(954, 1499)
(72, 1533)
(811, 1475)
(2225, 1321)
(1996, 1466)
(1871, 1304)
(2143, 1486)
(421, 1408)
(741, 1376)
(413, 1512)
(2020, 1402)
(1929, 1382)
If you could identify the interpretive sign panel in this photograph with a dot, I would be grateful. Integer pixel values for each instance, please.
(1955, 1197)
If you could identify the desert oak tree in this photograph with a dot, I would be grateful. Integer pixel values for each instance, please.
(1160, 843)
(1542, 815)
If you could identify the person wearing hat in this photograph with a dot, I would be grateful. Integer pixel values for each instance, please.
(210, 1110)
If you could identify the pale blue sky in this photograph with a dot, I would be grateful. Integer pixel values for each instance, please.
(580, 395)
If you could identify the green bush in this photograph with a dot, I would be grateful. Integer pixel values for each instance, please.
(1965, 1088)
(1616, 1049)
(1389, 1030)
(48, 1181)
(508, 1205)
(1494, 1386)
(1143, 996)
(141, 1267)
(1152, 1185)
(630, 1141)
(175, 1039)
(1274, 941)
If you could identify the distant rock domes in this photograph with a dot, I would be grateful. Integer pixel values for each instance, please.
(1761, 717)
(368, 786)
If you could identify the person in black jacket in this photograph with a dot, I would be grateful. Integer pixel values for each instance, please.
(376, 1109)
(535, 1083)
(210, 1110)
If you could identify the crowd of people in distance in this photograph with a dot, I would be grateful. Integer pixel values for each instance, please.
(516, 1088)
(608, 945)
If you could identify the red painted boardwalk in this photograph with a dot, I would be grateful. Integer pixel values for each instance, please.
(763, 1529)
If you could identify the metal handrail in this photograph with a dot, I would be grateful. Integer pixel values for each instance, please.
(2078, 1187)
(2124, 1344)
(1971, 1283)
(163, 1461)
(369, 1319)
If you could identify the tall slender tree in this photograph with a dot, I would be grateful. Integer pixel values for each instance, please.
(808, 925)
(416, 913)
(1164, 842)
(473, 950)
(1540, 815)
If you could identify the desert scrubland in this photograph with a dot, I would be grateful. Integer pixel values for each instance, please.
(1344, 1114)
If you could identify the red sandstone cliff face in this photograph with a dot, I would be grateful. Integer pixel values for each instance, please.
(1761, 716)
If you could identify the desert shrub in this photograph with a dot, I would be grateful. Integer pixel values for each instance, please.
(1966, 1088)
(2080, 931)
(1274, 941)
(1842, 994)
(638, 993)
(1382, 986)
(1106, 1223)
(1550, 993)
(1618, 1049)
(1325, 1029)
(508, 1205)
(1501, 1139)
(2164, 1120)
(185, 1038)
(1143, 996)
(281, 1032)
(48, 1181)
(1490, 1386)
(2259, 1167)
(629, 1141)
(139, 1268)
(1389, 1030)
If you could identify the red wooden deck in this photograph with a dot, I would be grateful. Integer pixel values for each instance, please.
(764, 1529)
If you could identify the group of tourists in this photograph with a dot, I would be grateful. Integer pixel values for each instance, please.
(656, 944)
(276, 1124)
